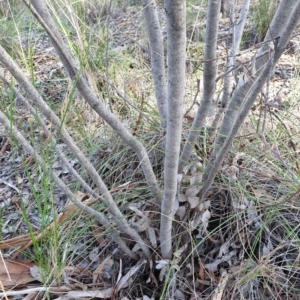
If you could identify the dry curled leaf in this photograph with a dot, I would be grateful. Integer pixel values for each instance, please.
(192, 191)
(162, 263)
(193, 201)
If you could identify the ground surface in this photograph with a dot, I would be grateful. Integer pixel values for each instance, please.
(245, 236)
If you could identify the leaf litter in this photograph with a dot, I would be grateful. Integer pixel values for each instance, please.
(233, 233)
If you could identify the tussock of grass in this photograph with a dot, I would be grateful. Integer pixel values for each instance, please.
(254, 202)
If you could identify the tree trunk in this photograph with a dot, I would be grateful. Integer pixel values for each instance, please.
(279, 47)
(70, 65)
(176, 48)
(209, 76)
(238, 29)
(157, 58)
(245, 81)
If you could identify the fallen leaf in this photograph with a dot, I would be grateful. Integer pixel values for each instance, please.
(99, 270)
(94, 254)
(179, 295)
(37, 273)
(203, 206)
(162, 263)
(201, 273)
(14, 273)
(193, 201)
(192, 191)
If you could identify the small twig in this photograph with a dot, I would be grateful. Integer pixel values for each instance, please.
(256, 46)
(230, 70)
(37, 289)
(3, 149)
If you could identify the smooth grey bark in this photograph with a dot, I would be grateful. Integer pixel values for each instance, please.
(40, 11)
(261, 78)
(245, 82)
(231, 113)
(230, 62)
(209, 76)
(45, 109)
(238, 29)
(86, 209)
(157, 58)
(176, 49)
